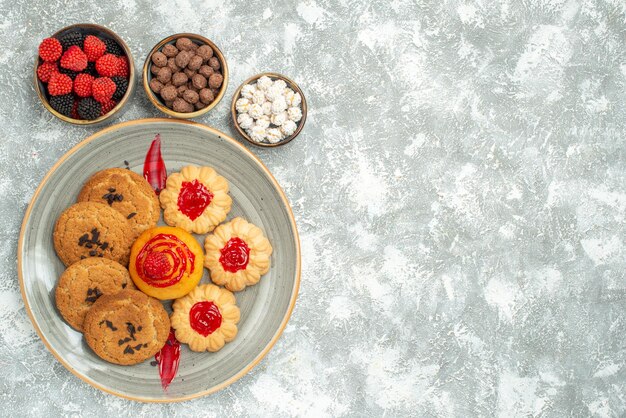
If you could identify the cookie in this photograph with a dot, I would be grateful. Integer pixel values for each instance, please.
(126, 328)
(206, 318)
(128, 193)
(196, 199)
(82, 283)
(237, 254)
(166, 262)
(90, 229)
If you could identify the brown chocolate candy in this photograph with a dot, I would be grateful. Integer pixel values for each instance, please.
(206, 52)
(206, 71)
(171, 64)
(179, 79)
(170, 51)
(159, 58)
(215, 81)
(190, 96)
(183, 44)
(188, 72)
(199, 81)
(214, 63)
(206, 96)
(182, 59)
(181, 89)
(165, 75)
(156, 85)
(199, 105)
(154, 70)
(169, 93)
(180, 105)
(195, 62)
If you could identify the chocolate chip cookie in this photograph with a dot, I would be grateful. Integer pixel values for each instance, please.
(90, 229)
(82, 283)
(128, 193)
(126, 328)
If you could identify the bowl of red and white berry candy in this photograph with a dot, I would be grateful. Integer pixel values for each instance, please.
(84, 74)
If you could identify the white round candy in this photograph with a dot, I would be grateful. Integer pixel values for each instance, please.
(258, 133)
(294, 100)
(272, 93)
(263, 122)
(279, 105)
(280, 84)
(245, 121)
(248, 90)
(295, 114)
(274, 135)
(242, 105)
(256, 111)
(288, 128)
(264, 83)
(280, 118)
(258, 97)
(267, 108)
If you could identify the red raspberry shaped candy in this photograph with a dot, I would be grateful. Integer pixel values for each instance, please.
(45, 71)
(103, 89)
(74, 59)
(60, 84)
(124, 69)
(94, 48)
(108, 65)
(156, 265)
(106, 107)
(83, 85)
(50, 49)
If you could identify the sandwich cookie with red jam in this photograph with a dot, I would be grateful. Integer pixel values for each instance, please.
(237, 254)
(196, 199)
(206, 318)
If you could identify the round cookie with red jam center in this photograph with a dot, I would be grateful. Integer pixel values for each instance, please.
(166, 262)
(127, 327)
(206, 318)
(237, 254)
(196, 199)
(128, 193)
(82, 283)
(91, 229)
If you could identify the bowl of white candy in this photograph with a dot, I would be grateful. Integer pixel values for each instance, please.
(269, 110)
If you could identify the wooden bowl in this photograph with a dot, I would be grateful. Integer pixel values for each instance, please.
(292, 85)
(147, 75)
(89, 29)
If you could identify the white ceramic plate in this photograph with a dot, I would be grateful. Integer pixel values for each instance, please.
(265, 307)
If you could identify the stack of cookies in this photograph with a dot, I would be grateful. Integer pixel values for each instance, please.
(95, 293)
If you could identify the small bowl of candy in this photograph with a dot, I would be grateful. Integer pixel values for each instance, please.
(185, 75)
(84, 74)
(269, 110)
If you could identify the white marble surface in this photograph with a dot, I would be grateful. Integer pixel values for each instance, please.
(459, 189)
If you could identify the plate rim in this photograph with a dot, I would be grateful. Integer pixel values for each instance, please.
(292, 300)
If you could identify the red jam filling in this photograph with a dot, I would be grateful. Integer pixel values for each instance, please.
(154, 167)
(164, 260)
(168, 359)
(205, 318)
(235, 255)
(193, 199)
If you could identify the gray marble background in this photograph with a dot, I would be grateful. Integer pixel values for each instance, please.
(459, 189)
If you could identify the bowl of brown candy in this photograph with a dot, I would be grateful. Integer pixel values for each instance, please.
(185, 75)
